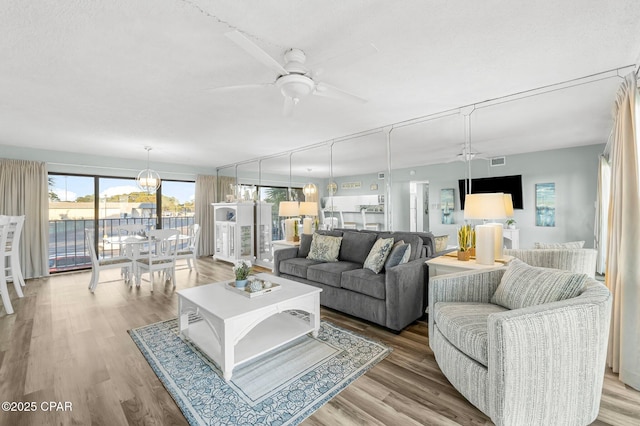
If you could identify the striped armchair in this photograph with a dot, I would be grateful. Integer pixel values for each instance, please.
(536, 365)
(575, 260)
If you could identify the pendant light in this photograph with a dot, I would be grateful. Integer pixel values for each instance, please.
(148, 180)
(310, 189)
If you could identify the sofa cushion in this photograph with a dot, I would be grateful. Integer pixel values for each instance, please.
(296, 266)
(464, 325)
(400, 253)
(378, 254)
(329, 232)
(324, 248)
(330, 273)
(569, 245)
(305, 245)
(411, 238)
(364, 281)
(523, 285)
(356, 246)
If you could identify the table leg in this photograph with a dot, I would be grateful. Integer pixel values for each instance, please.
(183, 319)
(314, 317)
(227, 352)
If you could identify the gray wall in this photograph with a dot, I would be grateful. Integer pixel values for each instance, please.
(573, 170)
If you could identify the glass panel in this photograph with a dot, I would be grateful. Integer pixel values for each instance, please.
(311, 170)
(178, 207)
(71, 210)
(359, 187)
(122, 203)
(274, 188)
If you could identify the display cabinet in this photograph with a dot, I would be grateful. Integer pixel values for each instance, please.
(264, 231)
(234, 233)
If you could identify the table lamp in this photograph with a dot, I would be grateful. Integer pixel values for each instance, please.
(488, 236)
(308, 208)
(288, 209)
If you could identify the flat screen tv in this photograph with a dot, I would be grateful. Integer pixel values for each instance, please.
(507, 184)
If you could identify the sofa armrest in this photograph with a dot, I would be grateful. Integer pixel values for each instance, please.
(468, 286)
(405, 287)
(283, 254)
(556, 351)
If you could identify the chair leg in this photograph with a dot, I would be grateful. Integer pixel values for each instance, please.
(16, 272)
(93, 279)
(195, 264)
(5, 294)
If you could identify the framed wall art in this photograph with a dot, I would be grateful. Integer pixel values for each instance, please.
(448, 205)
(546, 204)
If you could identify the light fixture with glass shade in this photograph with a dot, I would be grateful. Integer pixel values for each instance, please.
(309, 190)
(148, 180)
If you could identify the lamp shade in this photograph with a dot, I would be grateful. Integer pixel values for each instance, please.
(288, 208)
(508, 205)
(309, 208)
(485, 206)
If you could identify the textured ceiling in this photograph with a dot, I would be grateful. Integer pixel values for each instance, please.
(110, 77)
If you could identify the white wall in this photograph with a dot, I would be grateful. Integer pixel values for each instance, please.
(573, 170)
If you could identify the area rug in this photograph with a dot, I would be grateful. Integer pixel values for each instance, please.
(282, 387)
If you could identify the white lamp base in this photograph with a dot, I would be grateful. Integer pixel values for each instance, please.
(485, 245)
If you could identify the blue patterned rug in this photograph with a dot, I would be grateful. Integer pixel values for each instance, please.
(283, 387)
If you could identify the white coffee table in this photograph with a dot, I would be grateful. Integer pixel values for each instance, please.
(236, 328)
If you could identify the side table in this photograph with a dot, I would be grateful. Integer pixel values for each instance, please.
(442, 265)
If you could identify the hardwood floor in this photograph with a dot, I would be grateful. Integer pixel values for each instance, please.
(65, 344)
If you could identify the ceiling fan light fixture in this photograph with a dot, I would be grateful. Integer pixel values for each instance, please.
(295, 86)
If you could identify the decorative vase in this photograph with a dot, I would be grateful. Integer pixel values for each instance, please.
(241, 284)
(472, 252)
(464, 255)
(296, 238)
(255, 286)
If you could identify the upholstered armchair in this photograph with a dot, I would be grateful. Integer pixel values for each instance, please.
(575, 260)
(541, 364)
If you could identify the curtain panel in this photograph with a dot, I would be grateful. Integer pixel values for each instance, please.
(24, 190)
(623, 247)
(206, 190)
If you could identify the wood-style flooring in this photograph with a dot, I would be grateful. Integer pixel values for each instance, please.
(66, 345)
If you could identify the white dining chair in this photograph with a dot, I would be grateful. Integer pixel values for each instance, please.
(161, 257)
(368, 225)
(5, 230)
(190, 252)
(11, 249)
(97, 264)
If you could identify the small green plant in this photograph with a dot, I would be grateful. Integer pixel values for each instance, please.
(242, 269)
(465, 237)
(510, 222)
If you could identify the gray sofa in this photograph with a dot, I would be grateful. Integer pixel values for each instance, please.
(393, 298)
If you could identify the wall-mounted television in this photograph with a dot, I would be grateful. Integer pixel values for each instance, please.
(507, 184)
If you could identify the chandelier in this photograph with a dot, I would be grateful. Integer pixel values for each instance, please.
(309, 189)
(148, 180)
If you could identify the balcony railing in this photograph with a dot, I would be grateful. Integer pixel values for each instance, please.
(67, 246)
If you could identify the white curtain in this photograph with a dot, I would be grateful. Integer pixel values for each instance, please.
(602, 213)
(623, 248)
(24, 190)
(205, 195)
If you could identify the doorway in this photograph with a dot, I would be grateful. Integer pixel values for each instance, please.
(419, 206)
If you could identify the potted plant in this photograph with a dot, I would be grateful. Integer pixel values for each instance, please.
(242, 269)
(464, 242)
(511, 223)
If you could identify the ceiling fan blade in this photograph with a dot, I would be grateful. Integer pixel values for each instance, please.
(343, 59)
(287, 108)
(324, 89)
(239, 87)
(252, 49)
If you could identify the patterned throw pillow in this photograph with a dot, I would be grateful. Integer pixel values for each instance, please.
(400, 253)
(523, 285)
(378, 254)
(569, 245)
(324, 248)
(441, 243)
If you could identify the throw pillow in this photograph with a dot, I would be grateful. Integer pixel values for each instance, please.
(441, 243)
(523, 285)
(400, 253)
(569, 245)
(324, 248)
(378, 254)
(305, 245)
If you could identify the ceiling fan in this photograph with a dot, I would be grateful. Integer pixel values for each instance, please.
(295, 80)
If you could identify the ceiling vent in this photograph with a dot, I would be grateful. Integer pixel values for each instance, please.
(498, 161)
